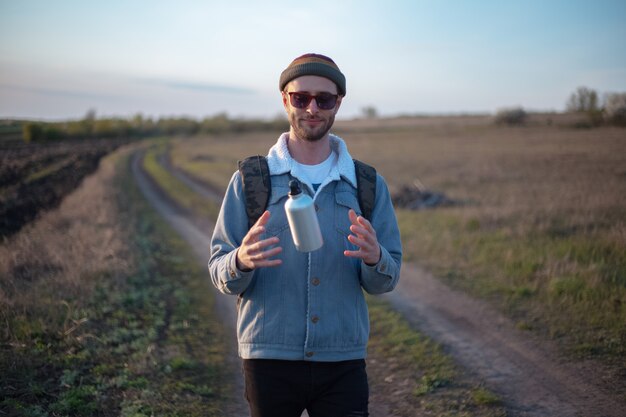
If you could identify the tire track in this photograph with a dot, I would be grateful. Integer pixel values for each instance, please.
(528, 373)
(199, 242)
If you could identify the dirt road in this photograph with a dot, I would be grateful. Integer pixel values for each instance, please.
(530, 376)
(199, 240)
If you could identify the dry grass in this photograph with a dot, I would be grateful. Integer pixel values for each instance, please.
(529, 176)
(213, 159)
(48, 261)
(106, 311)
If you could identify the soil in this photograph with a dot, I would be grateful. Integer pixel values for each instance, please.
(23, 199)
(529, 374)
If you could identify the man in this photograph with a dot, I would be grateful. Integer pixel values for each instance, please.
(302, 321)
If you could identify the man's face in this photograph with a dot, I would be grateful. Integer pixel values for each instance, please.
(310, 123)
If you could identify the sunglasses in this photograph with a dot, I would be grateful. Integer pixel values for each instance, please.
(325, 101)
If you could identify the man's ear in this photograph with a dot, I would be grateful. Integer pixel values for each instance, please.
(338, 104)
(285, 98)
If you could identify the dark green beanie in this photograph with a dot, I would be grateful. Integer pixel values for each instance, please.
(313, 64)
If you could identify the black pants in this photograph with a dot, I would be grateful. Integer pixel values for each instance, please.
(276, 388)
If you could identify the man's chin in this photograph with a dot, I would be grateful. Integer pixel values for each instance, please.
(312, 135)
(314, 138)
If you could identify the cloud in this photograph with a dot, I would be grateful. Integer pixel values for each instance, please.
(52, 92)
(198, 87)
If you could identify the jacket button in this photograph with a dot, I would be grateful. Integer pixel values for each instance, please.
(232, 274)
(315, 281)
(315, 319)
(309, 354)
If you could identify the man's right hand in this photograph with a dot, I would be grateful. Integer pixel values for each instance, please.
(252, 253)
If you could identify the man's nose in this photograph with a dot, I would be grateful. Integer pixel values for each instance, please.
(312, 107)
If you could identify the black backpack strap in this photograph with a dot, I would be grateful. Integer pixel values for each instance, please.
(255, 175)
(366, 187)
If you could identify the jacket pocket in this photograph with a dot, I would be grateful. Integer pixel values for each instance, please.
(345, 201)
(276, 205)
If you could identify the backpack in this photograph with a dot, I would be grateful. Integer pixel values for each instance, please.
(255, 175)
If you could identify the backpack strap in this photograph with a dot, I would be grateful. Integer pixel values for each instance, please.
(255, 176)
(366, 187)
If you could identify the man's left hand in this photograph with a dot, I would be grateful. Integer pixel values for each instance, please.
(364, 236)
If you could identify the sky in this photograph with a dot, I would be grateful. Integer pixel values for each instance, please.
(186, 58)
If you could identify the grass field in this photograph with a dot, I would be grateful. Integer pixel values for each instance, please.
(541, 233)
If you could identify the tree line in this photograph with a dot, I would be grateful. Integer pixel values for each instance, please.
(139, 127)
(611, 110)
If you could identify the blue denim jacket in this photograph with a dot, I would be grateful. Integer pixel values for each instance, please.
(311, 307)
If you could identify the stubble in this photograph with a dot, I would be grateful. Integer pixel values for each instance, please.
(310, 133)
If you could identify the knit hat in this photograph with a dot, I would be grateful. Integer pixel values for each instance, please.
(314, 64)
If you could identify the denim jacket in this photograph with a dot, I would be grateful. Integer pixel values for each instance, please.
(311, 307)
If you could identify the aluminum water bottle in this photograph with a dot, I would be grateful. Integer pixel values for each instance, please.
(305, 228)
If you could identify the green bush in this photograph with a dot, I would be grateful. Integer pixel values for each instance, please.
(511, 116)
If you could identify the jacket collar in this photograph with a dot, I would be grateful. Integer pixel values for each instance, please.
(280, 161)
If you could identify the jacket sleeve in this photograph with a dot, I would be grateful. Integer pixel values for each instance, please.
(383, 277)
(230, 229)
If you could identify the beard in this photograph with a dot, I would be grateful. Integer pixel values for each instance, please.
(310, 133)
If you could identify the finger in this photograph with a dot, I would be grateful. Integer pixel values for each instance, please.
(359, 241)
(265, 217)
(352, 216)
(367, 249)
(369, 257)
(359, 230)
(353, 254)
(254, 233)
(356, 226)
(273, 252)
(262, 244)
(266, 254)
(365, 223)
(268, 262)
(360, 221)
(263, 259)
(362, 237)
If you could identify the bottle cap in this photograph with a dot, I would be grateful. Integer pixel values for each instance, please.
(294, 187)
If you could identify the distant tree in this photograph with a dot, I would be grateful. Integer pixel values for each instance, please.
(90, 115)
(615, 108)
(369, 112)
(32, 132)
(53, 131)
(514, 116)
(217, 124)
(88, 124)
(41, 132)
(583, 100)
